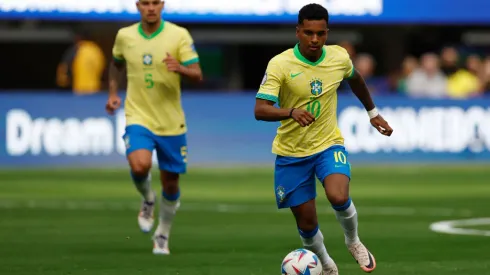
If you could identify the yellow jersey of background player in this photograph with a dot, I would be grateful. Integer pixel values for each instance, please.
(156, 54)
(153, 92)
(303, 81)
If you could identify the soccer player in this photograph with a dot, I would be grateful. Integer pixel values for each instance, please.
(156, 54)
(303, 82)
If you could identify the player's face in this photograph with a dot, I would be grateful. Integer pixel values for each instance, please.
(150, 10)
(312, 35)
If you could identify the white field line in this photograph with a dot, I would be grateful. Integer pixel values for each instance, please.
(454, 227)
(228, 208)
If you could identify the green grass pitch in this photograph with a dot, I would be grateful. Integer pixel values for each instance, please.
(84, 222)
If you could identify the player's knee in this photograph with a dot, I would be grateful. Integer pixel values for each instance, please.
(140, 168)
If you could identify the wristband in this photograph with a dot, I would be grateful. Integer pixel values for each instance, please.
(373, 113)
(291, 112)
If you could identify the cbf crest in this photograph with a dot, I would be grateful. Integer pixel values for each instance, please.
(316, 86)
(280, 193)
(147, 59)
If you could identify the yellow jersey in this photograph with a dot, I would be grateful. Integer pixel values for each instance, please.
(153, 98)
(88, 67)
(82, 68)
(292, 81)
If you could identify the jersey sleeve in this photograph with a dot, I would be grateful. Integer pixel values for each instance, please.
(187, 51)
(271, 83)
(349, 67)
(117, 49)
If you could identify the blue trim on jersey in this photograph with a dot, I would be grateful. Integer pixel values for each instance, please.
(308, 234)
(191, 61)
(344, 206)
(172, 197)
(267, 97)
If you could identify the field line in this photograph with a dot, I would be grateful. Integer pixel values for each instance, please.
(227, 208)
(454, 227)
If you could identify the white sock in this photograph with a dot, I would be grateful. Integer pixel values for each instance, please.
(315, 244)
(168, 209)
(347, 216)
(144, 187)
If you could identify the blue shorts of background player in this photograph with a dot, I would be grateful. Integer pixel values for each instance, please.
(294, 178)
(171, 150)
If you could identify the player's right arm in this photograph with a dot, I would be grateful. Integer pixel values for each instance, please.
(116, 70)
(268, 95)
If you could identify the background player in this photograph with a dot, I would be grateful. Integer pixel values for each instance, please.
(304, 81)
(155, 53)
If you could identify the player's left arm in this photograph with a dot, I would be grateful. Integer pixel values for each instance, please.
(187, 61)
(359, 87)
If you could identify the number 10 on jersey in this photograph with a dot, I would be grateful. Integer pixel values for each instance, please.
(314, 108)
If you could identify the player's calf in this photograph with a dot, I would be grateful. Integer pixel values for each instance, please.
(337, 191)
(140, 163)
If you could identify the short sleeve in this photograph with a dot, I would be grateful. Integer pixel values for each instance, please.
(117, 49)
(187, 51)
(271, 83)
(349, 69)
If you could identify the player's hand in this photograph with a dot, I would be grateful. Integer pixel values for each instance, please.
(172, 64)
(303, 117)
(113, 103)
(381, 125)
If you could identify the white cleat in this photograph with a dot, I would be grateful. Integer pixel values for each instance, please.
(363, 257)
(145, 216)
(330, 269)
(160, 245)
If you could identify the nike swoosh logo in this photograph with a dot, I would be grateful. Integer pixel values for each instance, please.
(295, 75)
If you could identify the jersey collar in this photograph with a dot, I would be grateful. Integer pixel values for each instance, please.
(157, 32)
(299, 56)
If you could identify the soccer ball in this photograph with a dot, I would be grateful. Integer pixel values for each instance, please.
(301, 262)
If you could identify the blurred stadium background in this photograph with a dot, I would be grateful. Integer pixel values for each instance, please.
(66, 200)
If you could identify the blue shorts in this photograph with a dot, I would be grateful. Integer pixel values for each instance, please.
(294, 178)
(171, 150)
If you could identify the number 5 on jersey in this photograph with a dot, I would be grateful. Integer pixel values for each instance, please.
(149, 81)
